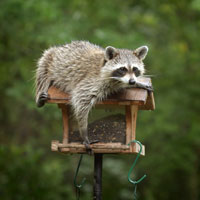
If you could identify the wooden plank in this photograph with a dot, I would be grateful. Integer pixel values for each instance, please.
(133, 94)
(96, 148)
(114, 102)
(58, 101)
(105, 102)
(57, 94)
(136, 148)
(54, 145)
(134, 110)
(104, 151)
(150, 103)
(128, 124)
(65, 117)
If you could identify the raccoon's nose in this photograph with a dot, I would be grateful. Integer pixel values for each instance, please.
(132, 81)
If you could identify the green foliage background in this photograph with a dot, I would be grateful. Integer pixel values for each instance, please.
(171, 29)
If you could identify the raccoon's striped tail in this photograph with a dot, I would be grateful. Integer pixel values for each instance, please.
(42, 82)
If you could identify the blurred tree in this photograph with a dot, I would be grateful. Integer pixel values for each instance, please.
(171, 29)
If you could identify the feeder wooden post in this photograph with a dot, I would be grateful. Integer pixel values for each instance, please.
(65, 117)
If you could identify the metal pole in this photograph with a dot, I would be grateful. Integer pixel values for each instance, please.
(98, 176)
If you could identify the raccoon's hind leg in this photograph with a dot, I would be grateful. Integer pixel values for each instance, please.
(43, 77)
(42, 87)
(43, 97)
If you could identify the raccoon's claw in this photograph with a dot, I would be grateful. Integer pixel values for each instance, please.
(42, 99)
(88, 147)
(149, 88)
(94, 141)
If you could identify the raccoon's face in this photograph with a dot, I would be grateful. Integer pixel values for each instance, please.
(124, 65)
(127, 74)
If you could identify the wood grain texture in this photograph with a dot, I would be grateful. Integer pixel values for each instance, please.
(96, 148)
(128, 124)
(134, 110)
(65, 117)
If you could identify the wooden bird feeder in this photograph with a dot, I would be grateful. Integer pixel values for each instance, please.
(112, 122)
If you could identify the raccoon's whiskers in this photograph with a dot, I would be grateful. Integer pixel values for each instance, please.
(108, 78)
(148, 76)
(115, 78)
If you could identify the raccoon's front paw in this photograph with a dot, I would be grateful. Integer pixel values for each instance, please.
(88, 148)
(42, 99)
(149, 88)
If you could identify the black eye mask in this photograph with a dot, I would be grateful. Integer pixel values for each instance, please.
(120, 72)
(136, 71)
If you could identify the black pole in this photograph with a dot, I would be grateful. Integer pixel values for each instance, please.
(98, 176)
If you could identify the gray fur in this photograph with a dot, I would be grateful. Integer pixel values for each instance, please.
(84, 70)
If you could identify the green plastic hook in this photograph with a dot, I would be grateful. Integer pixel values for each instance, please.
(133, 165)
(78, 186)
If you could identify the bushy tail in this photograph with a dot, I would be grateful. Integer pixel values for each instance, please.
(42, 77)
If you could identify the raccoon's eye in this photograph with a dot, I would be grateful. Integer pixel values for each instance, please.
(123, 69)
(136, 71)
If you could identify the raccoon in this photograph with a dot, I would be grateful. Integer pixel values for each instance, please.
(89, 73)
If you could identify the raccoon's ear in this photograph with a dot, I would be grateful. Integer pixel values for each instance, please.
(110, 53)
(141, 52)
